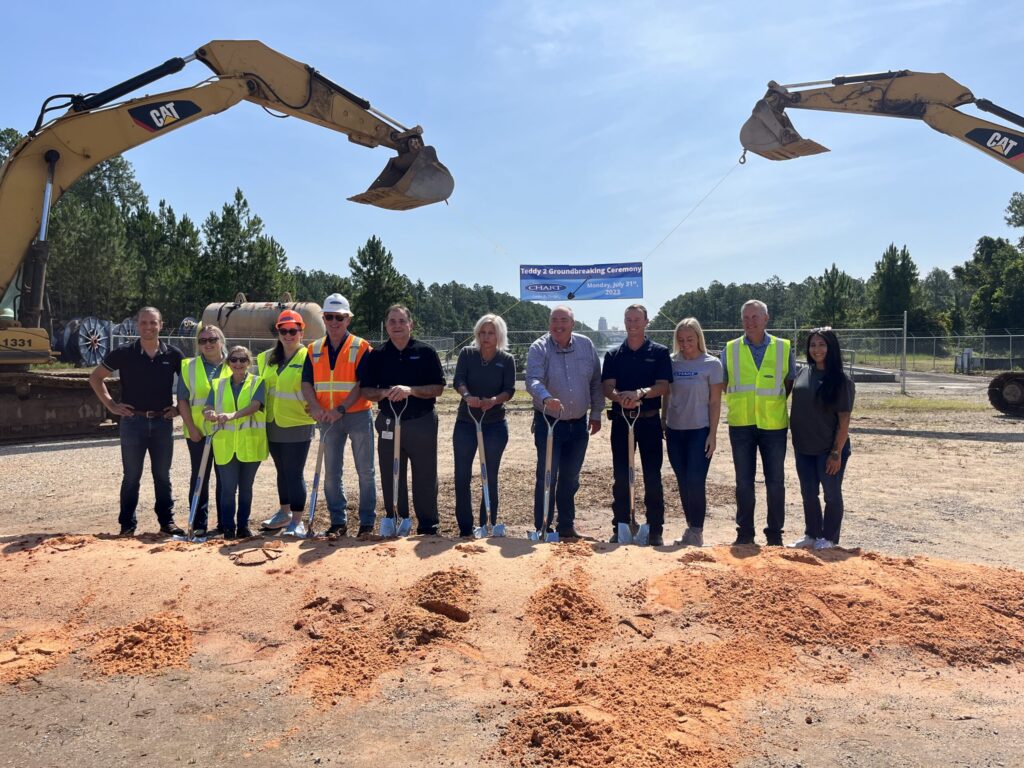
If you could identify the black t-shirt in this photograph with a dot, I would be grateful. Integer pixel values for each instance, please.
(147, 383)
(633, 369)
(415, 366)
(812, 423)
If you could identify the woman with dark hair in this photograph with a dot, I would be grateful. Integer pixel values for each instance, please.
(820, 424)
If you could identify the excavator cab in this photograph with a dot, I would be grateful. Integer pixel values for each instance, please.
(769, 133)
(411, 179)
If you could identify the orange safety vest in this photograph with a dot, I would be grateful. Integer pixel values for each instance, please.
(333, 385)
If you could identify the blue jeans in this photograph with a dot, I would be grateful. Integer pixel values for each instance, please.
(359, 428)
(810, 468)
(464, 441)
(570, 448)
(195, 455)
(690, 464)
(771, 443)
(290, 462)
(140, 436)
(235, 476)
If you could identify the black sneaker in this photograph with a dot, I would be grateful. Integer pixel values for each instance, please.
(743, 541)
(614, 539)
(199, 533)
(775, 540)
(569, 534)
(365, 530)
(336, 531)
(170, 529)
(127, 531)
(656, 540)
(213, 533)
(228, 535)
(244, 533)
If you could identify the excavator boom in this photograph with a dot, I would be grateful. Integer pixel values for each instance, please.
(93, 130)
(931, 97)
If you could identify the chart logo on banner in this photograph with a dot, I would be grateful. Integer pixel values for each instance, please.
(558, 282)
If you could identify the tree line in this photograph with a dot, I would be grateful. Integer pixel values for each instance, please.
(985, 293)
(111, 252)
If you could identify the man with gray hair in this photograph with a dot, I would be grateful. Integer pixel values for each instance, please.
(759, 371)
(563, 376)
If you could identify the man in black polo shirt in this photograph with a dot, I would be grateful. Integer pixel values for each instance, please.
(148, 367)
(403, 369)
(635, 375)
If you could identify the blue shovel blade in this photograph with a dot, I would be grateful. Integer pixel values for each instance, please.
(535, 536)
(387, 528)
(405, 527)
(625, 534)
(552, 537)
(643, 535)
(480, 533)
(498, 530)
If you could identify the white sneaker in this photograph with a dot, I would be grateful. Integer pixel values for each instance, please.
(807, 542)
(823, 544)
(280, 519)
(298, 530)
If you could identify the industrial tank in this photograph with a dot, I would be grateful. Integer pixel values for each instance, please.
(241, 319)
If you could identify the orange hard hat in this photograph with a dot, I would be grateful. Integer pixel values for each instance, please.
(290, 317)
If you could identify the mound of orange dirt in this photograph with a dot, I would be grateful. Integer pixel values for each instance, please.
(145, 647)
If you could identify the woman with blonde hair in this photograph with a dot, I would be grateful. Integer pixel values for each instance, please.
(485, 376)
(198, 376)
(235, 407)
(690, 415)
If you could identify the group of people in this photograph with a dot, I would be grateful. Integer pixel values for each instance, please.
(244, 408)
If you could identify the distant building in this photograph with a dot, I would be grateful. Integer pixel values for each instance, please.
(602, 324)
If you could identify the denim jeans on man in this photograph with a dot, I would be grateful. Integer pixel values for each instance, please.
(648, 436)
(359, 428)
(235, 476)
(570, 448)
(467, 461)
(771, 443)
(810, 468)
(139, 436)
(686, 454)
(195, 455)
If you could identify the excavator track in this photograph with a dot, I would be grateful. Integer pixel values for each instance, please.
(38, 405)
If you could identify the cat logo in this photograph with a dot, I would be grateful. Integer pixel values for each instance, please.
(1003, 143)
(154, 117)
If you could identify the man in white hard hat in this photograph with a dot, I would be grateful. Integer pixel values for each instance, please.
(330, 387)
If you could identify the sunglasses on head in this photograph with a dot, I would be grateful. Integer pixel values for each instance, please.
(208, 340)
(329, 316)
(238, 359)
(288, 331)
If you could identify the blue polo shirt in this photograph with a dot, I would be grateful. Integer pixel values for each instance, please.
(632, 369)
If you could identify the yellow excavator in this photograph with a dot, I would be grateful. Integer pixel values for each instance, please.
(932, 97)
(95, 127)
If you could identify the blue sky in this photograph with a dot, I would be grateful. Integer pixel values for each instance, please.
(576, 132)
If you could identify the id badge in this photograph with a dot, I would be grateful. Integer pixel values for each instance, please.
(387, 435)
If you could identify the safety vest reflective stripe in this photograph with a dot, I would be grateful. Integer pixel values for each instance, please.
(279, 395)
(286, 405)
(332, 385)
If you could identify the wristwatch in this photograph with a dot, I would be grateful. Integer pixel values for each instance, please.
(342, 409)
(834, 455)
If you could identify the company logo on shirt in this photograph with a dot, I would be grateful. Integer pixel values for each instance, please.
(686, 374)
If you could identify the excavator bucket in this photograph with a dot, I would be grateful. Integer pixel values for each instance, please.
(769, 133)
(408, 181)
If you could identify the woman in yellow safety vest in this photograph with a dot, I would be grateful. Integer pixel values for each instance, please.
(194, 385)
(289, 425)
(239, 443)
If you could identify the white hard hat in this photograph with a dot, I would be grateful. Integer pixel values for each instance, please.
(337, 303)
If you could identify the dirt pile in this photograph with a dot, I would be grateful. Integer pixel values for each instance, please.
(146, 647)
(568, 620)
(354, 643)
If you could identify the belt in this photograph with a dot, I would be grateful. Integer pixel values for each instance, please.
(561, 421)
(647, 413)
(150, 414)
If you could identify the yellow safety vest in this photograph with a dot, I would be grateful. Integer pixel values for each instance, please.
(757, 396)
(193, 373)
(285, 404)
(245, 438)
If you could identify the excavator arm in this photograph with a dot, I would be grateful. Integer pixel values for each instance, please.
(931, 97)
(59, 151)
